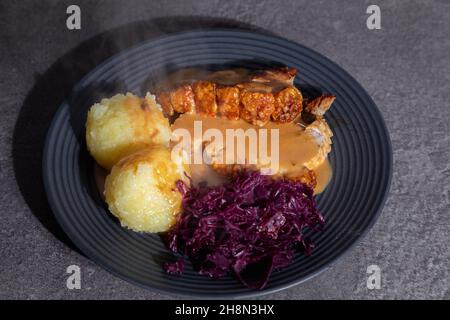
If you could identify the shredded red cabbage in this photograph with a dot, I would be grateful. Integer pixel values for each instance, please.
(249, 226)
(174, 267)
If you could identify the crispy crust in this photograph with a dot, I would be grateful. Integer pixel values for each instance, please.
(288, 105)
(308, 177)
(228, 102)
(205, 97)
(284, 75)
(257, 107)
(182, 99)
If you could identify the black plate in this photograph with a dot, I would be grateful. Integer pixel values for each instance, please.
(361, 159)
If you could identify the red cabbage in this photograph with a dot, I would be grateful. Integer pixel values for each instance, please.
(249, 227)
(174, 267)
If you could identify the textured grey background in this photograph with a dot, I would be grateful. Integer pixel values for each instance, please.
(404, 67)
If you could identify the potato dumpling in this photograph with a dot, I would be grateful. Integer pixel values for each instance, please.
(118, 126)
(141, 189)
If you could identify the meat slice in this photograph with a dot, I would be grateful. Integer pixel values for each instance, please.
(318, 106)
(205, 97)
(228, 102)
(257, 107)
(288, 105)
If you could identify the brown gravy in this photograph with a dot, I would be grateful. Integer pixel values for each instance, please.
(294, 148)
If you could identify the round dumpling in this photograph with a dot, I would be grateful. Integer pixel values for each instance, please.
(141, 189)
(118, 126)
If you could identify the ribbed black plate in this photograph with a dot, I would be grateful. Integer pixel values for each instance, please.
(361, 159)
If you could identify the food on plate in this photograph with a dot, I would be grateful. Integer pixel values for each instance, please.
(255, 97)
(282, 75)
(264, 99)
(141, 189)
(228, 102)
(118, 126)
(181, 100)
(319, 105)
(249, 227)
(257, 107)
(288, 105)
(249, 224)
(302, 150)
(245, 215)
(321, 133)
(205, 97)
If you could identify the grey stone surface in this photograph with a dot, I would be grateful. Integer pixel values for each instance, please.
(405, 67)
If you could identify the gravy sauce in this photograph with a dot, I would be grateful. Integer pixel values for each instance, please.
(295, 148)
